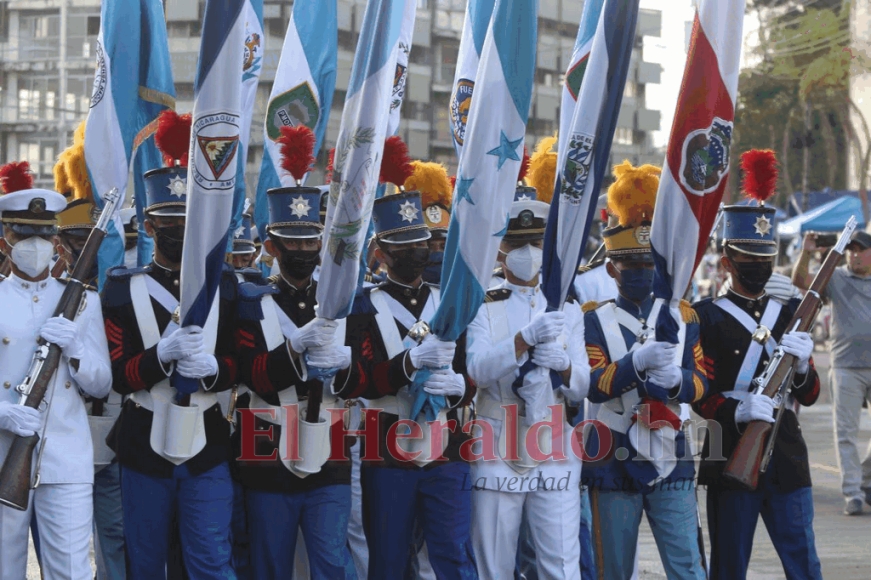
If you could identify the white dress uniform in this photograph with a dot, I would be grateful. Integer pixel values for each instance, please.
(63, 502)
(549, 490)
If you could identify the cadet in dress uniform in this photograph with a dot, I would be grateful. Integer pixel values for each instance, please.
(244, 251)
(279, 337)
(734, 357)
(511, 327)
(63, 502)
(640, 469)
(385, 361)
(185, 475)
(432, 181)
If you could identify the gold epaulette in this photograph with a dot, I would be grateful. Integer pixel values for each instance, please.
(687, 313)
(497, 295)
(589, 306)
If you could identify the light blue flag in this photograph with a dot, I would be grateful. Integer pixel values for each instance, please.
(252, 64)
(132, 85)
(215, 127)
(302, 92)
(358, 155)
(148, 157)
(487, 174)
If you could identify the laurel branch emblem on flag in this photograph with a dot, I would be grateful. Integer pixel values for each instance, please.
(706, 157)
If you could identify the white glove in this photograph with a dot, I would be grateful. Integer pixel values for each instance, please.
(183, 342)
(64, 333)
(755, 408)
(551, 355)
(329, 357)
(198, 366)
(318, 332)
(18, 419)
(445, 383)
(801, 346)
(653, 354)
(544, 327)
(667, 377)
(432, 353)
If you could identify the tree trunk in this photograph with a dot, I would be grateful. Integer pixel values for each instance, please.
(866, 159)
(831, 149)
(784, 159)
(805, 158)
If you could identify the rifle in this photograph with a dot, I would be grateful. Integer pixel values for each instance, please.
(746, 461)
(15, 482)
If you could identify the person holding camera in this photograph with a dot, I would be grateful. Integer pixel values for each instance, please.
(849, 292)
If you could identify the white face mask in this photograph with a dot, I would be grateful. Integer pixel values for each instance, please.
(525, 262)
(33, 255)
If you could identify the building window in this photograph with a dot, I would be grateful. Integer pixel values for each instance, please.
(623, 136)
(39, 36)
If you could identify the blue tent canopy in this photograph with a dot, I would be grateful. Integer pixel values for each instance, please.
(829, 217)
(779, 214)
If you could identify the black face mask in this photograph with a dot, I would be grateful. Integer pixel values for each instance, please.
(299, 264)
(169, 241)
(753, 275)
(408, 264)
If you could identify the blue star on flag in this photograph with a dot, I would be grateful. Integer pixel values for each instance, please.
(501, 233)
(463, 185)
(507, 149)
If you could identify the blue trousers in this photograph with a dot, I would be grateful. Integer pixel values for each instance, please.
(239, 535)
(204, 505)
(274, 520)
(672, 513)
(732, 518)
(393, 497)
(109, 524)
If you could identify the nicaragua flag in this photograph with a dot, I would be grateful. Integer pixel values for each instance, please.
(215, 126)
(585, 144)
(302, 92)
(252, 64)
(132, 85)
(698, 158)
(579, 62)
(358, 156)
(478, 14)
(487, 174)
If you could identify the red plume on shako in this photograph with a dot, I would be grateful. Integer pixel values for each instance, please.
(16, 176)
(524, 166)
(396, 165)
(760, 174)
(297, 151)
(173, 138)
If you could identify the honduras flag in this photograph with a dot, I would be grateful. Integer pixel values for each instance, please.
(585, 144)
(132, 85)
(215, 126)
(357, 161)
(302, 91)
(698, 159)
(578, 63)
(478, 13)
(487, 174)
(252, 65)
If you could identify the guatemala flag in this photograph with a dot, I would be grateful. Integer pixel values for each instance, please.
(578, 62)
(302, 92)
(215, 126)
(357, 161)
(487, 174)
(148, 156)
(585, 144)
(252, 65)
(478, 14)
(698, 159)
(132, 85)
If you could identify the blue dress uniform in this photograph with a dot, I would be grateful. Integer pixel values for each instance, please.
(628, 472)
(395, 492)
(281, 501)
(783, 497)
(138, 306)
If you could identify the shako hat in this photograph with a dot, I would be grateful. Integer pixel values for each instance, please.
(749, 229)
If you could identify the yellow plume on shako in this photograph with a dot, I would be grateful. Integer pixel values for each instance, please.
(75, 167)
(432, 181)
(542, 169)
(631, 198)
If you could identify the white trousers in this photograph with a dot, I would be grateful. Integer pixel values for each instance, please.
(554, 519)
(64, 514)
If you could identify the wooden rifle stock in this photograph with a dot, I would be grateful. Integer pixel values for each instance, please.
(15, 483)
(745, 461)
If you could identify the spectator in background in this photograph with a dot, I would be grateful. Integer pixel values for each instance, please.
(849, 292)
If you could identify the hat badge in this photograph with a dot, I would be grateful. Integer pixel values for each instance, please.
(37, 205)
(762, 226)
(177, 186)
(642, 235)
(300, 207)
(240, 231)
(525, 218)
(408, 212)
(434, 213)
(525, 197)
